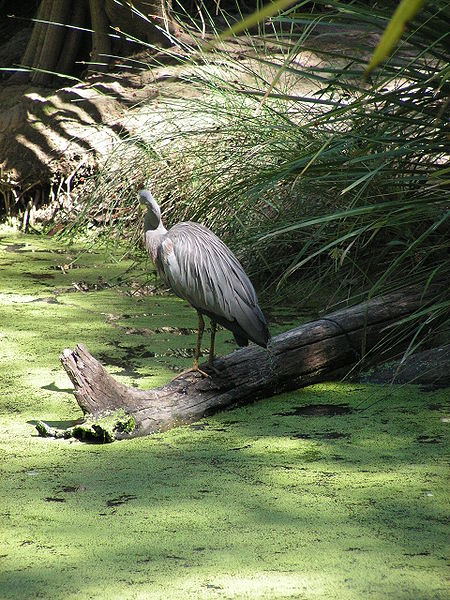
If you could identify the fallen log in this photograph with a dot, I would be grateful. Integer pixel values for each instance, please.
(317, 351)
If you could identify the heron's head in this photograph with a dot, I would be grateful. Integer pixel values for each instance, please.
(151, 208)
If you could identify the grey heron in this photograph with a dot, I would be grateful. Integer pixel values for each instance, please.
(202, 270)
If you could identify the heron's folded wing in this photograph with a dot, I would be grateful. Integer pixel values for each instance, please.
(201, 269)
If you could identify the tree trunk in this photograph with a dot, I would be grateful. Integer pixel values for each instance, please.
(73, 38)
(35, 42)
(101, 43)
(55, 42)
(50, 47)
(324, 349)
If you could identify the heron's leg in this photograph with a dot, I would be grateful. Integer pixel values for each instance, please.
(195, 368)
(201, 329)
(213, 338)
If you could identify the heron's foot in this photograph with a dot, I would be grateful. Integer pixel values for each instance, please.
(194, 369)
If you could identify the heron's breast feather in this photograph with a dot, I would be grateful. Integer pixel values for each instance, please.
(167, 248)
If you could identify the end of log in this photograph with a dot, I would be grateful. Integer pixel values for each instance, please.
(95, 389)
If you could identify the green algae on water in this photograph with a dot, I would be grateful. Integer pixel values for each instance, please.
(270, 500)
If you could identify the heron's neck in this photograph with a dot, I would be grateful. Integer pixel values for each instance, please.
(153, 238)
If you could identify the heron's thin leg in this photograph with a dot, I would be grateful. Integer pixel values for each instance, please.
(211, 347)
(195, 367)
(201, 329)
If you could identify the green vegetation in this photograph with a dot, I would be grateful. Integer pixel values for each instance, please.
(101, 430)
(330, 187)
(322, 182)
(335, 491)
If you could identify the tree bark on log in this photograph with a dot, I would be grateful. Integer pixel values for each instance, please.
(317, 351)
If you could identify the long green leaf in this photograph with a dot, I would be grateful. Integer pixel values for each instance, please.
(406, 10)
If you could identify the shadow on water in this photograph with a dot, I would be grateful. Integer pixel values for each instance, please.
(52, 387)
(61, 425)
(319, 410)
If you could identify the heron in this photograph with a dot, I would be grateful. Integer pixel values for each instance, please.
(202, 270)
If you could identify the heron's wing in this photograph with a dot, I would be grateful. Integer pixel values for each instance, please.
(200, 268)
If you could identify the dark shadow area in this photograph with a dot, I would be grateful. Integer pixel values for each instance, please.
(318, 410)
(52, 387)
(429, 368)
(60, 424)
(39, 276)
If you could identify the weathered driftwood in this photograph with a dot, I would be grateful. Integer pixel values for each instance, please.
(317, 351)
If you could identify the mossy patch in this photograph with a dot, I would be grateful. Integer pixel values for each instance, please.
(101, 430)
(263, 501)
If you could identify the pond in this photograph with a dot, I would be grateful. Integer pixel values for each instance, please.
(333, 491)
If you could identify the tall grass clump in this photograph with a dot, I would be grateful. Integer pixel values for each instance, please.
(330, 187)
